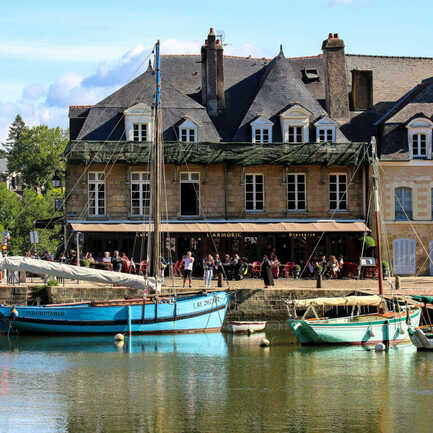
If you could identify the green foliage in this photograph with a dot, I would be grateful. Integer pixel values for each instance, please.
(369, 241)
(52, 283)
(18, 214)
(385, 264)
(15, 131)
(36, 153)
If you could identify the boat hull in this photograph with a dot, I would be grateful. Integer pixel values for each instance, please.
(420, 340)
(392, 330)
(199, 313)
(245, 327)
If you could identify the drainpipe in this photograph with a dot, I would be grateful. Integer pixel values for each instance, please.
(225, 191)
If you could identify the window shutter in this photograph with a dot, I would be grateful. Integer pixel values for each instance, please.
(404, 256)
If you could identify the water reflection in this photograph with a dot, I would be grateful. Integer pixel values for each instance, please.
(211, 383)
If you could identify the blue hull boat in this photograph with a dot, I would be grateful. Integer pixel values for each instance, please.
(196, 313)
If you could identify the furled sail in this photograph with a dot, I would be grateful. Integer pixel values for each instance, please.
(41, 267)
(347, 301)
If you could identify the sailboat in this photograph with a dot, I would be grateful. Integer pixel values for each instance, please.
(382, 326)
(201, 312)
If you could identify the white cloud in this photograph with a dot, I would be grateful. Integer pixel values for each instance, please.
(49, 104)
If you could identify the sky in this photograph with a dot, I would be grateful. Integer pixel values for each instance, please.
(56, 53)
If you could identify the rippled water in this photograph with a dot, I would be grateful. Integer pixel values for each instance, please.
(210, 383)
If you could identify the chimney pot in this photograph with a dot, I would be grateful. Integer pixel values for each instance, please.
(211, 31)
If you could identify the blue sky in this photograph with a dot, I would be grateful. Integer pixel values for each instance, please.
(57, 53)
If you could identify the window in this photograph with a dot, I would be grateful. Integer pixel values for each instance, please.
(138, 123)
(140, 132)
(403, 204)
(262, 135)
(337, 192)
(190, 194)
(254, 192)
(295, 134)
(296, 192)
(187, 135)
(325, 135)
(140, 192)
(261, 130)
(419, 145)
(96, 193)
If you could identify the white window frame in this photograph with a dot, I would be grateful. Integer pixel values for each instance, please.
(188, 126)
(190, 177)
(406, 214)
(142, 179)
(338, 201)
(96, 182)
(138, 114)
(258, 127)
(420, 126)
(326, 124)
(255, 201)
(297, 200)
(296, 116)
(140, 126)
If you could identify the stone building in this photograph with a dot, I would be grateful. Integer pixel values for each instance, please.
(260, 154)
(406, 168)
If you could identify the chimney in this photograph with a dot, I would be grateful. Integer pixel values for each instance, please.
(212, 74)
(337, 100)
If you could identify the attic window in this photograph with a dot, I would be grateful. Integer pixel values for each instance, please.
(261, 130)
(138, 123)
(420, 138)
(325, 130)
(309, 75)
(188, 131)
(140, 131)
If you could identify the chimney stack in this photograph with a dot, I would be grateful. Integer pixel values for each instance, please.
(337, 99)
(212, 74)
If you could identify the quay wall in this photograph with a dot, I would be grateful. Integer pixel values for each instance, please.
(246, 304)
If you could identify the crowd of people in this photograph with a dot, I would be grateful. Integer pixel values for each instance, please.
(229, 267)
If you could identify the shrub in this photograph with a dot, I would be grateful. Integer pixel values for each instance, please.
(52, 283)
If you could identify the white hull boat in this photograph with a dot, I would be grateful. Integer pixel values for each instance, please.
(239, 327)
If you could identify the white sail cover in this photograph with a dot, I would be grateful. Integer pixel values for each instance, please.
(346, 301)
(42, 267)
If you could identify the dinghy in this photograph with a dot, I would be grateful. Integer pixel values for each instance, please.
(238, 327)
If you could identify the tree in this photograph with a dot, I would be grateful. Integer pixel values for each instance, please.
(37, 153)
(15, 131)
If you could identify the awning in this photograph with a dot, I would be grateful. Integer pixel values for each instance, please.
(229, 227)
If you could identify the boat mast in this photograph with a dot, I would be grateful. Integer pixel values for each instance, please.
(156, 175)
(377, 212)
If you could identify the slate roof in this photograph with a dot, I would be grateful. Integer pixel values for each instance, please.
(245, 81)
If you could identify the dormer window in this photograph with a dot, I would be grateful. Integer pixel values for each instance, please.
(420, 138)
(140, 132)
(188, 131)
(325, 130)
(138, 123)
(295, 123)
(261, 130)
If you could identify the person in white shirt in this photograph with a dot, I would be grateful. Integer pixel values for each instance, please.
(188, 262)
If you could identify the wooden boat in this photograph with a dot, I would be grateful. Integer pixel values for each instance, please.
(203, 312)
(420, 340)
(388, 327)
(239, 327)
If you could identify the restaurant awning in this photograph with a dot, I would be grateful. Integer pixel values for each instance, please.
(229, 227)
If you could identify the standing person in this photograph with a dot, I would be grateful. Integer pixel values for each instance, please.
(188, 262)
(208, 269)
(218, 266)
(324, 263)
(267, 276)
(117, 262)
(106, 260)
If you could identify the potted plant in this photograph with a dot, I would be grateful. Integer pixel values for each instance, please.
(385, 267)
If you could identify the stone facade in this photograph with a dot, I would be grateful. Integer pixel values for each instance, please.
(222, 195)
(418, 176)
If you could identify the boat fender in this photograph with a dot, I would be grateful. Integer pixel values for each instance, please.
(380, 347)
(119, 337)
(401, 330)
(265, 342)
(371, 332)
(411, 331)
(14, 313)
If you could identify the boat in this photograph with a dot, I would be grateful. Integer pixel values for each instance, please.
(422, 336)
(242, 327)
(152, 314)
(361, 327)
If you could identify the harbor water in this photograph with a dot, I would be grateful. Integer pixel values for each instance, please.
(210, 383)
